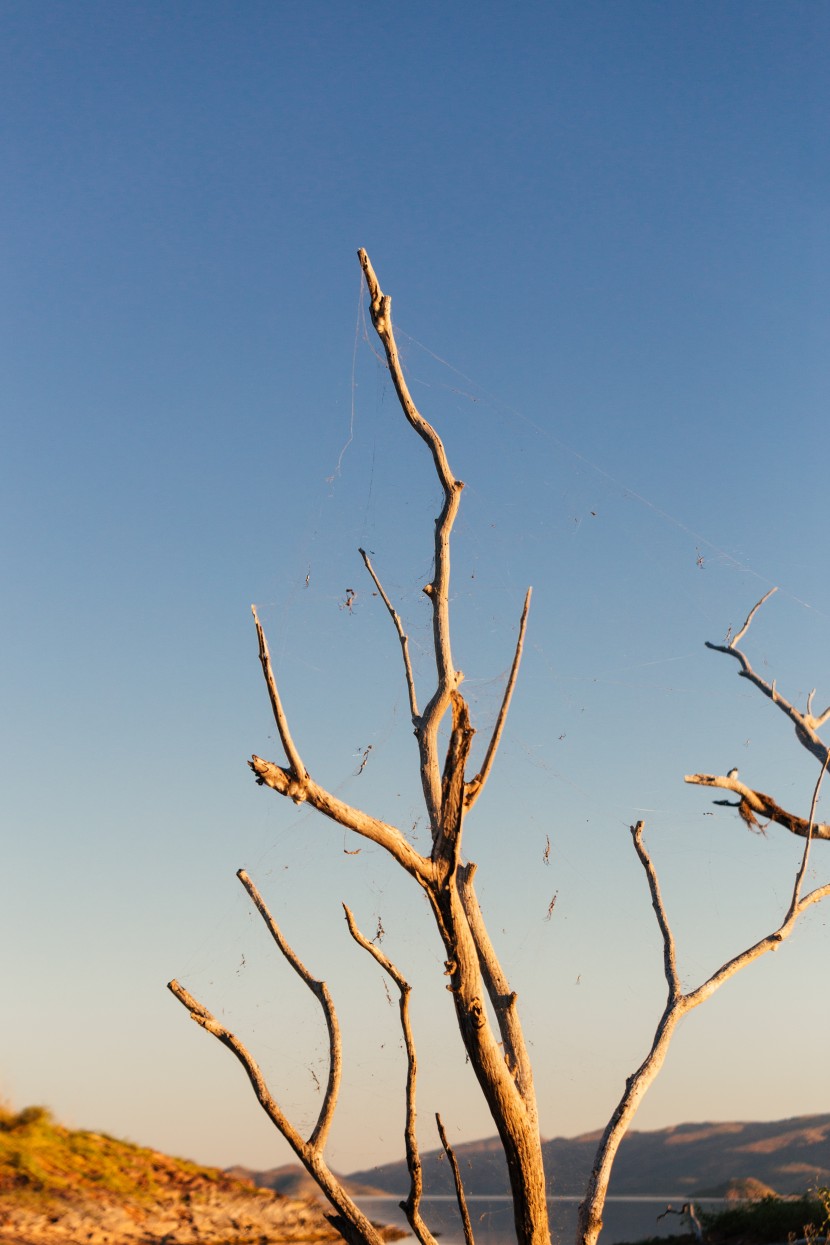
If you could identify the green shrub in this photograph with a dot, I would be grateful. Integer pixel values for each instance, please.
(771, 1220)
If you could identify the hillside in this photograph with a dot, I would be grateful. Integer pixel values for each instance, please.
(59, 1186)
(787, 1155)
(292, 1180)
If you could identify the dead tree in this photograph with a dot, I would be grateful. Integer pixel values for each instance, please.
(485, 1006)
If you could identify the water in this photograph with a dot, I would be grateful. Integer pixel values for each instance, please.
(625, 1218)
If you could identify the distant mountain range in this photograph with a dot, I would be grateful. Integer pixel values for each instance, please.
(788, 1156)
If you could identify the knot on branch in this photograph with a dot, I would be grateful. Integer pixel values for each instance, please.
(267, 774)
(476, 1013)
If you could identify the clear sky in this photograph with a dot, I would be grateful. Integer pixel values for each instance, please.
(605, 229)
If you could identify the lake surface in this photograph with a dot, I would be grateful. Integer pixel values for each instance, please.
(625, 1218)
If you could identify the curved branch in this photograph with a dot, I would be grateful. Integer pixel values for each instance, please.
(351, 1222)
(320, 991)
(752, 802)
(474, 788)
(412, 1206)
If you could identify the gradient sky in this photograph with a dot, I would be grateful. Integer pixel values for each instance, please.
(604, 227)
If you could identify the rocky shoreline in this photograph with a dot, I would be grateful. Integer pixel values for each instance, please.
(207, 1217)
(62, 1186)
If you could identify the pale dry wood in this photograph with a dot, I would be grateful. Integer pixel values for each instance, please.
(459, 1184)
(350, 1220)
(438, 591)
(752, 802)
(385, 835)
(402, 636)
(678, 1005)
(475, 786)
(412, 1206)
(512, 1105)
(806, 724)
(320, 991)
(297, 768)
(502, 998)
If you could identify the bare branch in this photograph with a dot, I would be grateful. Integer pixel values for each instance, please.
(459, 1186)
(207, 1021)
(806, 856)
(320, 992)
(677, 1006)
(437, 591)
(412, 1206)
(757, 802)
(669, 950)
(402, 636)
(805, 724)
(501, 996)
(389, 837)
(295, 763)
(737, 639)
(351, 1222)
(474, 788)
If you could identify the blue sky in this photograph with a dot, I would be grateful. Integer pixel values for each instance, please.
(604, 227)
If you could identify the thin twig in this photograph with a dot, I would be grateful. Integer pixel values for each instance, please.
(412, 1206)
(402, 636)
(474, 788)
(297, 768)
(737, 639)
(805, 724)
(805, 857)
(669, 949)
(320, 991)
(459, 1187)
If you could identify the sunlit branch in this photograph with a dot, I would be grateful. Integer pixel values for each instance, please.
(402, 636)
(412, 1206)
(474, 787)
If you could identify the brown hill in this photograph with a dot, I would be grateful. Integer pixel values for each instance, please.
(787, 1155)
(292, 1180)
(59, 1186)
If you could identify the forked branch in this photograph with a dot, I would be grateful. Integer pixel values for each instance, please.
(678, 1005)
(350, 1220)
(806, 724)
